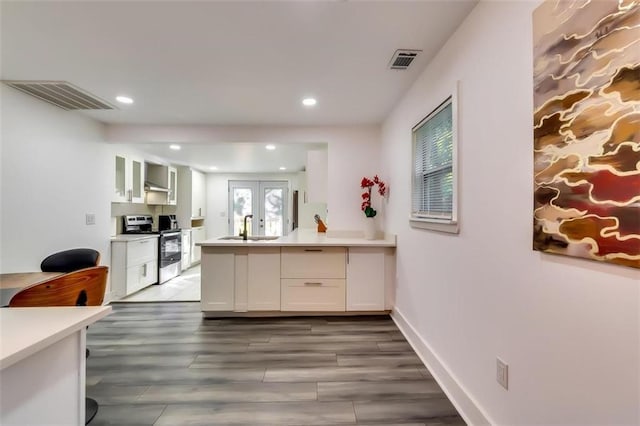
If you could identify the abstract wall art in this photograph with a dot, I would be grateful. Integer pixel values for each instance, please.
(586, 127)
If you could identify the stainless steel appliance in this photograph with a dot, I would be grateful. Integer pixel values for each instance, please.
(169, 244)
(170, 256)
(167, 221)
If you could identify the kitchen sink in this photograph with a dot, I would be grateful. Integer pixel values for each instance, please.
(250, 237)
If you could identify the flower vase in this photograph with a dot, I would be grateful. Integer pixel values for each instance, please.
(370, 228)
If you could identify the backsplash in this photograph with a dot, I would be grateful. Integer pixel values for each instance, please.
(120, 209)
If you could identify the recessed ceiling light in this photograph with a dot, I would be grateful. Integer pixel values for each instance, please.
(124, 99)
(309, 101)
(213, 168)
(283, 168)
(175, 147)
(270, 147)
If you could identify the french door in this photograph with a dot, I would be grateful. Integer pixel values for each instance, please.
(267, 201)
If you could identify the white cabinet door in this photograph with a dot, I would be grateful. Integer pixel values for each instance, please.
(186, 249)
(172, 178)
(198, 194)
(264, 279)
(198, 234)
(129, 179)
(121, 176)
(217, 286)
(137, 180)
(365, 279)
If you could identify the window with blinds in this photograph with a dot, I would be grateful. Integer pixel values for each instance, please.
(433, 190)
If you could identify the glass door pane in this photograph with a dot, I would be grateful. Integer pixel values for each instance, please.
(273, 209)
(241, 201)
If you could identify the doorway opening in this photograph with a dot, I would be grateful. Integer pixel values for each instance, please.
(267, 203)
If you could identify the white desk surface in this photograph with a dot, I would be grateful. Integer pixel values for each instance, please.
(25, 331)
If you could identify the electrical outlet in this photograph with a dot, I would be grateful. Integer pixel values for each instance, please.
(90, 218)
(502, 373)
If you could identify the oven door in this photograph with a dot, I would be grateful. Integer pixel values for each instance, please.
(170, 248)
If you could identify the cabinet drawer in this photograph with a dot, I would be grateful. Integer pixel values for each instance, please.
(313, 294)
(141, 276)
(313, 262)
(142, 251)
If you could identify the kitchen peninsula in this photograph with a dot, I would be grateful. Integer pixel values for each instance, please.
(304, 272)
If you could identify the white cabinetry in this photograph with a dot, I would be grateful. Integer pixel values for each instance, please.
(192, 194)
(317, 174)
(134, 265)
(173, 185)
(198, 194)
(186, 249)
(263, 279)
(129, 179)
(198, 234)
(218, 279)
(240, 280)
(313, 279)
(365, 279)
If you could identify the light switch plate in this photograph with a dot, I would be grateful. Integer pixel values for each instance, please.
(90, 219)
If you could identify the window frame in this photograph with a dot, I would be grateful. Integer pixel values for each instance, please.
(432, 223)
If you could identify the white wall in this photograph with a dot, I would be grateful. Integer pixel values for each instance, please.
(54, 164)
(568, 328)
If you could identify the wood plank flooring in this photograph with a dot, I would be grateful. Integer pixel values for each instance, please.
(163, 364)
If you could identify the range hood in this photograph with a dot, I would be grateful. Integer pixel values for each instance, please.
(150, 186)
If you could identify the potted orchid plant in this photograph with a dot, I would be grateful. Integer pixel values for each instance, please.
(367, 184)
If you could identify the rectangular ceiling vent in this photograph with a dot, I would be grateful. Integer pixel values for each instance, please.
(403, 58)
(60, 93)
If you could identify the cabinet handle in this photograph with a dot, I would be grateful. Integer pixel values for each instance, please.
(312, 249)
(312, 283)
(144, 270)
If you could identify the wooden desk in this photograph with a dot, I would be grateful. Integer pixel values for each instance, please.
(10, 284)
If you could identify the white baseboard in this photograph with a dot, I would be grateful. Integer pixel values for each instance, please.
(464, 403)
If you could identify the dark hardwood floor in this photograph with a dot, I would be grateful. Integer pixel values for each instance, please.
(163, 364)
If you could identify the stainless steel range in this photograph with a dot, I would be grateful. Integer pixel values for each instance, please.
(169, 244)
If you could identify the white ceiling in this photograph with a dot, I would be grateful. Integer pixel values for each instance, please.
(240, 63)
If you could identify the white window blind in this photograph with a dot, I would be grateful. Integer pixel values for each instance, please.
(433, 191)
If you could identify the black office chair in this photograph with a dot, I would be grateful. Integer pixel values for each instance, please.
(71, 260)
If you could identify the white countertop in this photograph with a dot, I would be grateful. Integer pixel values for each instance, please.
(133, 237)
(25, 331)
(307, 237)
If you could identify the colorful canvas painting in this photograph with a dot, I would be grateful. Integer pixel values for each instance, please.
(586, 80)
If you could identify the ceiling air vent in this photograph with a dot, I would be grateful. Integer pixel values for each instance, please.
(60, 93)
(403, 58)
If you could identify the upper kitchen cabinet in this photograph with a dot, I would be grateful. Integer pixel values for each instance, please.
(129, 179)
(163, 182)
(173, 185)
(317, 173)
(192, 196)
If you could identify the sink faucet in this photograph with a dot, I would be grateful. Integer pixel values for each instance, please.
(243, 233)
